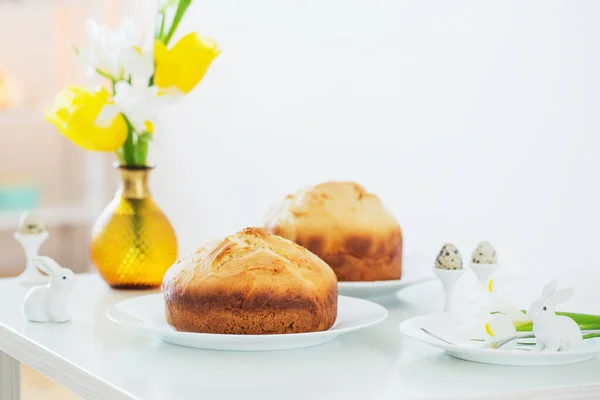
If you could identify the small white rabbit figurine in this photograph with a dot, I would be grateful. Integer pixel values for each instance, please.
(48, 303)
(553, 332)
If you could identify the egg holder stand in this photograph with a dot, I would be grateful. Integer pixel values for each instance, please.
(450, 277)
(31, 244)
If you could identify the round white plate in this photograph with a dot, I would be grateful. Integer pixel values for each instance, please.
(415, 269)
(377, 288)
(147, 313)
(449, 328)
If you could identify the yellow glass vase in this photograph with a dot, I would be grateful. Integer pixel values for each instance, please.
(133, 242)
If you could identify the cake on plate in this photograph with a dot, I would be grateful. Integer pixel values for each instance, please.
(251, 282)
(346, 226)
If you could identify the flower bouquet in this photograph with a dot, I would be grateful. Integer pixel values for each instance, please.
(141, 81)
(133, 242)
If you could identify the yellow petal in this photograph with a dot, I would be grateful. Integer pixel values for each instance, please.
(488, 329)
(184, 65)
(75, 113)
(149, 126)
(160, 50)
(65, 97)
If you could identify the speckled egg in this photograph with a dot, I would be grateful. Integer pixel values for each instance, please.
(30, 224)
(449, 258)
(484, 254)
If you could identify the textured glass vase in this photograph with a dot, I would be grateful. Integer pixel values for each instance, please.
(133, 242)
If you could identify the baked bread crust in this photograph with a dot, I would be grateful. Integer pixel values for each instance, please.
(344, 225)
(251, 283)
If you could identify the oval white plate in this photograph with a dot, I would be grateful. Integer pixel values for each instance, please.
(471, 351)
(147, 313)
(414, 270)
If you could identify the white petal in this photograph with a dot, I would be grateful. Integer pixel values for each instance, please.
(140, 84)
(140, 66)
(86, 60)
(106, 116)
(138, 125)
(138, 102)
(91, 28)
(164, 4)
(168, 97)
(501, 326)
(126, 30)
(85, 56)
(123, 89)
(125, 98)
(508, 309)
(105, 46)
(129, 59)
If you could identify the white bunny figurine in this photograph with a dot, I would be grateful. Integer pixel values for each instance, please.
(553, 332)
(48, 303)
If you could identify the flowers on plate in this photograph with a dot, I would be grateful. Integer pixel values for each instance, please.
(499, 327)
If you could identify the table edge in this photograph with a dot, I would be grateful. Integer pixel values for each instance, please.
(57, 368)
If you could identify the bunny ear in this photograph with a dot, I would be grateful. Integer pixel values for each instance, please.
(562, 295)
(549, 289)
(46, 264)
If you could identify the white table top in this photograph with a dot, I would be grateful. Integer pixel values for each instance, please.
(99, 359)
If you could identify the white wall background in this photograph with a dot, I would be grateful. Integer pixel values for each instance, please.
(470, 119)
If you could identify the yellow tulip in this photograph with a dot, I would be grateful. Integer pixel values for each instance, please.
(184, 65)
(76, 112)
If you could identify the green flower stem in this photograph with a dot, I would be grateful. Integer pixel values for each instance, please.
(141, 152)
(128, 146)
(135, 150)
(181, 9)
(107, 76)
(161, 32)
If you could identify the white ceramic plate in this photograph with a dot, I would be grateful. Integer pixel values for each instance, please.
(414, 270)
(377, 288)
(449, 329)
(146, 313)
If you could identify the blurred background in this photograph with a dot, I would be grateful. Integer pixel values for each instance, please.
(470, 120)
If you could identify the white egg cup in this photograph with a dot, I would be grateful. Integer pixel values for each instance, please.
(484, 272)
(449, 278)
(31, 244)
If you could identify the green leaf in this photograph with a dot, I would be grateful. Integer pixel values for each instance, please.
(591, 335)
(145, 137)
(585, 321)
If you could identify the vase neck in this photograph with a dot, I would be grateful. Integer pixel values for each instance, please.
(134, 183)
